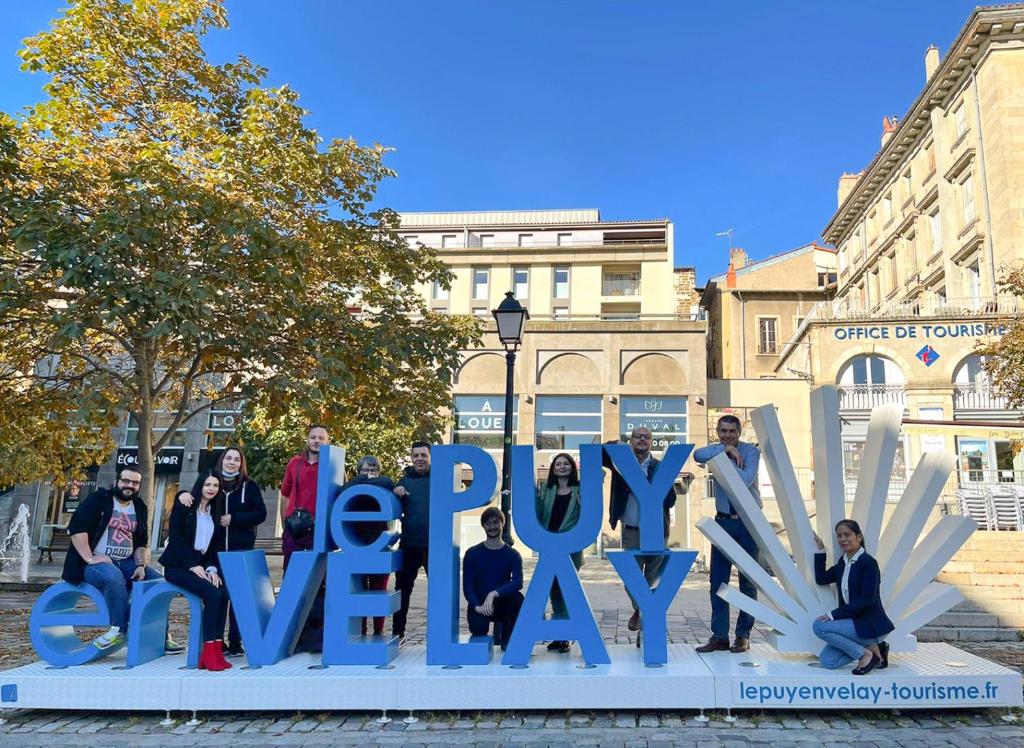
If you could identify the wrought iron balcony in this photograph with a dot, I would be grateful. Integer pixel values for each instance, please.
(868, 396)
(620, 287)
(978, 396)
(853, 309)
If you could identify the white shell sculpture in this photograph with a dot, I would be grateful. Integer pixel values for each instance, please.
(909, 593)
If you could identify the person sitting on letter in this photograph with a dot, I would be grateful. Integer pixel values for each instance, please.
(492, 580)
(853, 630)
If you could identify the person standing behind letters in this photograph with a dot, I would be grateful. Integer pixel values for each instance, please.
(558, 509)
(298, 494)
(623, 505)
(413, 491)
(492, 581)
(746, 458)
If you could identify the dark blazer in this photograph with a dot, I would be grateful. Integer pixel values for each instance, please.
(92, 517)
(865, 603)
(620, 491)
(181, 537)
(247, 509)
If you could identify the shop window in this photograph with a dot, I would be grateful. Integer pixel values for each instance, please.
(565, 422)
(666, 417)
(480, 420)
(161, 421)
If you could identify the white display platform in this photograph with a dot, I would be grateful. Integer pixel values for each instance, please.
(688, 682)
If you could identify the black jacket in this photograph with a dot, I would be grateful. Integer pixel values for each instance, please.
(865, 603)
(247, 509)
(92, 517)
(181, 537)
(620, 491)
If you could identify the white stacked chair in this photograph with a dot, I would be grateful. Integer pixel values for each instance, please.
(974, 503)
(1003, 507)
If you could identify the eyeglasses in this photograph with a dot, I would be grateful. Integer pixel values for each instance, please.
(125, 482)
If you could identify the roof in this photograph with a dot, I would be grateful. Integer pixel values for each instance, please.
(572, 216)
(769, 261)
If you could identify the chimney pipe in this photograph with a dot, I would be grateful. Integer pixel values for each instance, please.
(931, 62)
(737, 257)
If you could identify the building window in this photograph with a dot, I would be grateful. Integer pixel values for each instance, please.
(566, 422)
(481, 311)
(221, 426)
(853, 453)
(412, 241)
(974, 280)
(486, 240)
(481, 280)
(449, 240)
(935, 224)
(526, 240)
(842, 259)
(622, 283)
(564, 240)
(912, 253)
(161, 421)
(825, 277)
(521, 283)
(960, 117)
(767, 335)
(438, 292)
(908, 186)
(893, 273)
(967, 199)
(560, 311)
(480, 420)
(664, 416)
(887, 207)
(560, 284)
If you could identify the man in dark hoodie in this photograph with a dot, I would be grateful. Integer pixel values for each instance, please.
(413, 491)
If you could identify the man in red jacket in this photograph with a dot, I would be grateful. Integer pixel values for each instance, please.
(298, 490)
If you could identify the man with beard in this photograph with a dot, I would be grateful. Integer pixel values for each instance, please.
(298, 492)
(745, 457)
(492, 580)
(413, 491)
(108, 550)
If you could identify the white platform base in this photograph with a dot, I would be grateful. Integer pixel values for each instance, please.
(935, 676)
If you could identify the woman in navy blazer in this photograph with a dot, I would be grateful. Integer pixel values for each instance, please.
(853, 630)
(190, 562)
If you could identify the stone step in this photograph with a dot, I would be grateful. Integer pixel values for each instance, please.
(1014, 555)
(1004, 607)
(963, 620)
(982, 541)
(970, 634)
(1014, 566)
(964, 579)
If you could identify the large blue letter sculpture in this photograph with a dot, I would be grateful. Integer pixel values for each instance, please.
(650, 495)
(443, 590)
(343, 642)
(151, 603)
(554, 562)
(51, 627)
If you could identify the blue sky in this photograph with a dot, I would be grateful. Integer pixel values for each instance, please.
(715, 115)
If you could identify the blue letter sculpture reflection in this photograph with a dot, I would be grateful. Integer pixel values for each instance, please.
(51, 627)
(348, 601)
(443, 595)
(554, 562)
(651, 497)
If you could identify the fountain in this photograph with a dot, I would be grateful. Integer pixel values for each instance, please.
(14, 553)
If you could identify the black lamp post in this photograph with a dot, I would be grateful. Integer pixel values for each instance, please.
(510, 318)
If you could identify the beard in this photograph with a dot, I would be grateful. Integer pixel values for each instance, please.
(124, 494)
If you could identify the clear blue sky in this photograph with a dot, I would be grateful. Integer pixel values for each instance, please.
(714, 115)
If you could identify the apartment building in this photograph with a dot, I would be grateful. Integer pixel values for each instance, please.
(923, 234)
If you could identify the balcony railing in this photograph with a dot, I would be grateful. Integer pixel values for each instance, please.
(851, 309)
(538, 242)
(620, 287)
(978, 396)
(986, 477)
(868, 396)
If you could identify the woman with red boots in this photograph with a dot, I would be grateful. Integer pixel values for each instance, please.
(190, 562)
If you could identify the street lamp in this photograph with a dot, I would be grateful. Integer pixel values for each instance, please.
(510, 317)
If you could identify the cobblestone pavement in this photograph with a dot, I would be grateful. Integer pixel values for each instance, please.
(687, 622)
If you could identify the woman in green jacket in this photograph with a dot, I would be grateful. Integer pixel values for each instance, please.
(558, 509)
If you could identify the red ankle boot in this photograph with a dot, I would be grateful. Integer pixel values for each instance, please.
(212, 657)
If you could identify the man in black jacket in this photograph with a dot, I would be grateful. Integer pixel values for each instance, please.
(623, 505)
(109, 538)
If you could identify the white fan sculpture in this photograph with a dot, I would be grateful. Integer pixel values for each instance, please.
(909, 593)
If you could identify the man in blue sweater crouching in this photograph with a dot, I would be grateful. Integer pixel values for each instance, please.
(492, 580)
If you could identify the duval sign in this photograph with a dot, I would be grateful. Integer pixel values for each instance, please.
(270, 625)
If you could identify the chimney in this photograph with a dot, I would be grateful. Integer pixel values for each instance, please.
(889, 125)
(730, 277)
(737, 258)
(846, 185)
(931, 62)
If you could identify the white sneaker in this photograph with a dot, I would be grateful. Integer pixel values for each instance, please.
(111, 638)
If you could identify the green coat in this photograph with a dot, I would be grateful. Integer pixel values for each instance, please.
(546, 502)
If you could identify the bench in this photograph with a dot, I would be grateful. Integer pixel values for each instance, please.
(60, 541)
(270, 546)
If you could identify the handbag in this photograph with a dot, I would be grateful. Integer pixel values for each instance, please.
(299, 523)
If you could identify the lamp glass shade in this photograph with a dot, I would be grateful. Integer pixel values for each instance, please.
(510, 317)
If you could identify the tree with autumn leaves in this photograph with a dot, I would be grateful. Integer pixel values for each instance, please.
(173, 235)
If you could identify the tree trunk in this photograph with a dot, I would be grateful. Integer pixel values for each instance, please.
(147, 465)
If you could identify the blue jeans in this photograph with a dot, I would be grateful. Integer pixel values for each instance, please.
(114, 581)
(843, 644)
(721, 569)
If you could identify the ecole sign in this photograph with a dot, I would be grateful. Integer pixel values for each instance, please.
(270, 627)
(918, 331)
(168, 460)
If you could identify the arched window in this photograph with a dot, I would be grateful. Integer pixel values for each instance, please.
(971, 371)
(870, 370)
